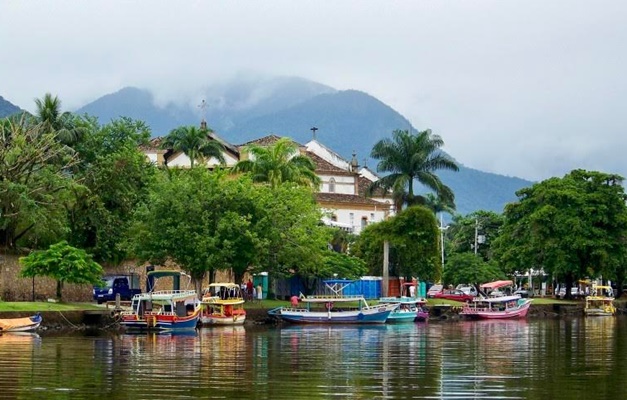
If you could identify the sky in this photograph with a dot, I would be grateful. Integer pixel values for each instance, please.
(531, 88)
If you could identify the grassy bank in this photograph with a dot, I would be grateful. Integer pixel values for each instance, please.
(35, 306)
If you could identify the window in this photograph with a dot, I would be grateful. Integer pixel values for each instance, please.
(334, 217)
(364, 222)
(352, 219)
(332, 185)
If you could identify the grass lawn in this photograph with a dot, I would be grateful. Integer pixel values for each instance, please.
(45, 306)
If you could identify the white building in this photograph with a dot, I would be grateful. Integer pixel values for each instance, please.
(343, 185)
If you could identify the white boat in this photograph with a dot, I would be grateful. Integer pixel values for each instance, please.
(24, 324)
(600, 302)
(334, 308)
(497, 307)
(223, 304)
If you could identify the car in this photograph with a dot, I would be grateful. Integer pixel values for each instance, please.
(433, 290)
(524, 293)
(574, 292)
(468, 289)
(126, 285)
(454, 294)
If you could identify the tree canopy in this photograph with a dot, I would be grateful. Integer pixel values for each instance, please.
(195, 143)
(408, 157)
(571, 227)
(278, 163)
(63, 263)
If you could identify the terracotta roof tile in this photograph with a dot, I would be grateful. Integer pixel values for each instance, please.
(346, 199)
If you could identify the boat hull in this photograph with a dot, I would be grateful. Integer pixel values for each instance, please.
(25, 324)
(517, 312)
(223, 320)
(161, 322)
(400, 317)
(373, 315)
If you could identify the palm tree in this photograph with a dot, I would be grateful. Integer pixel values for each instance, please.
(53, 120)
(408, 157)
(280, 162)
(195, 143)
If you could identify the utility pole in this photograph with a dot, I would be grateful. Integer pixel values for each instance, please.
(476, 234)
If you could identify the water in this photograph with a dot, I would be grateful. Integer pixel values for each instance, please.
(536, 359)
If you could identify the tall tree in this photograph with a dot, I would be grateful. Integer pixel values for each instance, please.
(63, 263)
(34, 183)
(408, 157)
(195, 143)
(115, 176)
(572, 227)
(51, 117)
(278, 163)
(414, 244)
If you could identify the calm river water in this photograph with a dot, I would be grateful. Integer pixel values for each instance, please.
(535, 359)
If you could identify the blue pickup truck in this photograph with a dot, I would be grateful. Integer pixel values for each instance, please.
(126, 285)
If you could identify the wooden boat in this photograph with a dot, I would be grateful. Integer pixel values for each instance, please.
(497, 307)
(162, 309)
(410, 309)
(600, 302)
(223, 304)
(24, 324)
(334, 308)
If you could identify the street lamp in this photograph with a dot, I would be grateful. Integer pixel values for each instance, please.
(442, 229)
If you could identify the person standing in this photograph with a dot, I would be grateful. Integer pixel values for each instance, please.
(259, 293)
(249, 289)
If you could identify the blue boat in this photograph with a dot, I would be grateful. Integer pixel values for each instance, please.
(333, 308)
(410, 309)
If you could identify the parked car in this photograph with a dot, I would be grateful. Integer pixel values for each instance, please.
(125, 285)
(574, 292)
(454, 294)
(468, 289)
(524, 293)
(433, 290)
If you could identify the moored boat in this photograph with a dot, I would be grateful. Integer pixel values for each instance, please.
(600, 302)
(496, 307)
(162, 309)
(334, 308)
(223, 304)
(24, 324)
(410, 309)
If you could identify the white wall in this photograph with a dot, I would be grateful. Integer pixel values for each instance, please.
(343, 184)
(344, 217)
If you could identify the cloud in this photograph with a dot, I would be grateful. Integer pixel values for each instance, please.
(525, 88)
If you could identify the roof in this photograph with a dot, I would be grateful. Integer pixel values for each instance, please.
(323, 166)
(267, 140)
(496, 284)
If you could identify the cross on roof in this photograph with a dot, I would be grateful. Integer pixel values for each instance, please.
(314, 129)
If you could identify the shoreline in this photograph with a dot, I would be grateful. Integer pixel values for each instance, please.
(106, 320)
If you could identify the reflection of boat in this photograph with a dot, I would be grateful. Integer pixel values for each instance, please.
(600, 302)
(409, 309)
(497, 307)
(223, 304)
(163, 309)
(334, 308)
(24, 324)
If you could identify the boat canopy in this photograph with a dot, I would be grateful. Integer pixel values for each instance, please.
(496, 284)
(226, 285)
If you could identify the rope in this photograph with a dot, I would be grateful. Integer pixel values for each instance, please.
(68, 321)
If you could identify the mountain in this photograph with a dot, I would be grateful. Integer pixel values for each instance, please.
(348, 121)
(7, 108)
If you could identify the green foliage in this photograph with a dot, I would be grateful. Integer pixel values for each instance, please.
(63, 263)
(469, 268)
(115, 174)
(408, 157)
(195, 142)
(572, 227)
(414, 244)
(462, 230)
(34, 182)
(342, 266)
(278, 163)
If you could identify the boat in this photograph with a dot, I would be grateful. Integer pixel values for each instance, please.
(23, 324)
(162, 309)
(410, 309)
(334, 307)
(223, 304)
(502, 307)
(600, 302)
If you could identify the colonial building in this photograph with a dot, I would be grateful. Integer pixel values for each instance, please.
(342, 192)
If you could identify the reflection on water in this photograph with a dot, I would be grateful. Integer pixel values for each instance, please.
(535, 359)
